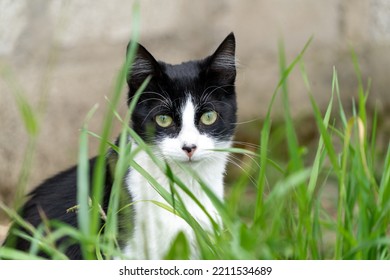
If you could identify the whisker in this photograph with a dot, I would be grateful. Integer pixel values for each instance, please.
(157, 99)
(155, 107)
(248, 165)
(237, 164)
(223, 102)
(164, 99)
(246, 144)
(206, 94)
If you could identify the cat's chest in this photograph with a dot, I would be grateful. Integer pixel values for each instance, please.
(155, 227)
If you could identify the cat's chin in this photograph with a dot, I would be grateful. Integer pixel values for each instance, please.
(191, 161)
(186, 161)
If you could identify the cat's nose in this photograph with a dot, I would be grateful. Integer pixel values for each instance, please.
(189, 149)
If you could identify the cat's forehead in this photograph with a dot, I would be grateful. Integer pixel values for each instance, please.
(186, 70)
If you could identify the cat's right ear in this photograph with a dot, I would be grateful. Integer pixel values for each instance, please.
(222, 64)
(143, 65)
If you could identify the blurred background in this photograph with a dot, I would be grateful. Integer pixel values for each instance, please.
(63, 57)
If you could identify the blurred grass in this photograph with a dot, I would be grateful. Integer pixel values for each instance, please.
(273, 209)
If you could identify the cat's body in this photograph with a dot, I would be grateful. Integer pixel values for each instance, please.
(186, 112)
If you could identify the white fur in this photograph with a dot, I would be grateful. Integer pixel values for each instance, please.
(154, 227)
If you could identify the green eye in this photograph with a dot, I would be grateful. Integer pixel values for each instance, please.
(209, 118)
(164, 120)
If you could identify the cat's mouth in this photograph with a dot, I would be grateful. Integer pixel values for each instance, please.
(188, 160)
(185, 160)
(191, 161)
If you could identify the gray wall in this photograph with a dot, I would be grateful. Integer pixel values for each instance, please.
(66, 54)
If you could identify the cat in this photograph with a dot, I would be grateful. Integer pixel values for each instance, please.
(191, 108)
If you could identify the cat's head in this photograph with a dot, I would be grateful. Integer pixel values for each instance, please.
(188, 109)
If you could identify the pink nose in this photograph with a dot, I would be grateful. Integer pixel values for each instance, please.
(189, 149)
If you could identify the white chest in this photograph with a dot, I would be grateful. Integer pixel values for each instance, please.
(156, 227)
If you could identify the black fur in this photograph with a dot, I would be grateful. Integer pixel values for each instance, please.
(54, 198)
(209, 82)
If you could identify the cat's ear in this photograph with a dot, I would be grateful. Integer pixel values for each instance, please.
(222, 63)
(144, 65)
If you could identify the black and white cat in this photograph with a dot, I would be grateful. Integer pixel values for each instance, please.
(191, 108)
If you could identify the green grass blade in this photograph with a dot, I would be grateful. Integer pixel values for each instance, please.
(291, 136)
(83, 185)
(123, 158)
(384, 188)
(285, 186)
(100, 165)
(13, 254)
(264, 136)
(361, 92)
(320, 153)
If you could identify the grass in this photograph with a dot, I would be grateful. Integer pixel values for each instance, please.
(286, 217)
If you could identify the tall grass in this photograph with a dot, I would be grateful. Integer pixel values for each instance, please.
(287, 220)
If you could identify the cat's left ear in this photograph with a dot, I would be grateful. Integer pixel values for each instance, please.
(144, 65)
(222, 63)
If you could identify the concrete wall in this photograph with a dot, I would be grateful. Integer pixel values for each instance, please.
(65, 56)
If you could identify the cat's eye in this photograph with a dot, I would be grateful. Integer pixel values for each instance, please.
(209, 118)
(164, 120)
